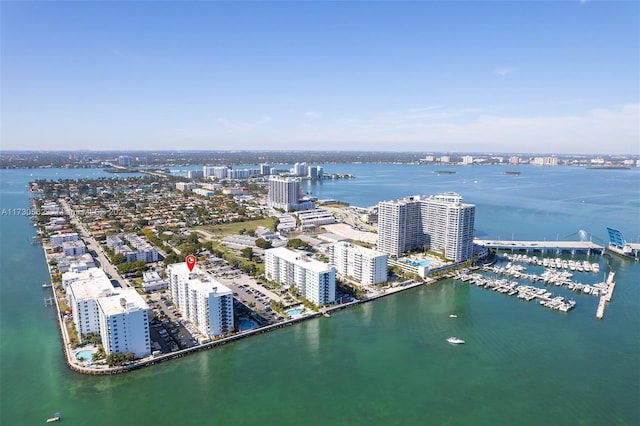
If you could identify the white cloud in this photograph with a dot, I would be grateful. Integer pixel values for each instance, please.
(600, 130)
(312, 114)
(504, 71)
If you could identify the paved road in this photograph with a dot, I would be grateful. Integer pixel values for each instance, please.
(92, 244)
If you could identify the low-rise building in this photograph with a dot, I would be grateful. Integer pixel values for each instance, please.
(185, 186)
(114, 241)
(315, 217)
(58, 239)
(152, 281)
(73, 248)
(144, 251)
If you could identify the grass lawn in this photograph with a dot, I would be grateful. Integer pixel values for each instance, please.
(235, 228)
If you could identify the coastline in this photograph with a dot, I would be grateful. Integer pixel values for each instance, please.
(78, 367)
(396, 343)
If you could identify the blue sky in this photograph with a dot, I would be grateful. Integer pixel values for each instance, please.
(501, 76)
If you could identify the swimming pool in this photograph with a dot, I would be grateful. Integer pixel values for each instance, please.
(247, 324)
(415, 263)
(294, 312)
(85, 355)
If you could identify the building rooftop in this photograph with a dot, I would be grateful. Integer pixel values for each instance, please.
(199, 279)
(367, 252)
(125, 300)
(301, 259)
(89, 284)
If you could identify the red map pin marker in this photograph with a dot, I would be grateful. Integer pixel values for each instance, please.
(191, 262)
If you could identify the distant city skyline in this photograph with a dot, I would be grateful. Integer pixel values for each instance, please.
(539, 77)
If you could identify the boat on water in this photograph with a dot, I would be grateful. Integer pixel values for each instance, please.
(55, 418)
(455, 340)
(453, 316)
(326, 315)
(46, 285)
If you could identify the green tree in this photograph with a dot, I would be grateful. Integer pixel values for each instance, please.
(263, 244)
(118, 258)
(193, 238)
(172, 257)
(247, 252)
(296, 243)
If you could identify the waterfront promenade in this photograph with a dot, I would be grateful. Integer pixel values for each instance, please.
(557, 247)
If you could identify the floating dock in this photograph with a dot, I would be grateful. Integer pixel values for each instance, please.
(606, 297)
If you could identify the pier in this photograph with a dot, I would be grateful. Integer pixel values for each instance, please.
(513, 288)
(606, 297)
(557, 247)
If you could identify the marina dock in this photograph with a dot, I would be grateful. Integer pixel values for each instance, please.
(606, 297)
(558, 272)
(513, 288)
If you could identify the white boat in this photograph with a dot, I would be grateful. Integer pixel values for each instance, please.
(46, 285)
(55, 418)
(455, 340)
(453, 316)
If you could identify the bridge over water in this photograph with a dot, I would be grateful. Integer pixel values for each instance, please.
(557, 247)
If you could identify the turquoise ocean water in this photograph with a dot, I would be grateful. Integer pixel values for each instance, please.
(384, 362)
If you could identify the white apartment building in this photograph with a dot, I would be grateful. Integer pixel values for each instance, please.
(398, 225)
(441, 222)
(202, 300)
(545, 161)
(447, 225)
(195, 174)
(58, 239)
(265, 169)
(73, 248)
(144, 250)
(83, 288)
(315, 172)
(220, 172)
(284, 193)
(125, 160)
(124, 323)
(361, 264)
(204, 192)
(316, 281)
(467, 160)
(207, 171)
(300, 169)
(185, 186)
